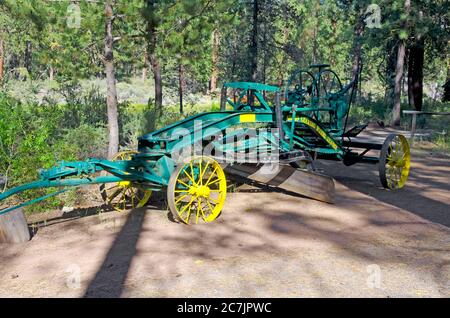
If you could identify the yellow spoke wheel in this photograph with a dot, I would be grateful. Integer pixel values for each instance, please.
(197, 190)
(124, 195)
(394, 162)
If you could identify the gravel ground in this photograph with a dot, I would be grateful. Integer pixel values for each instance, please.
(370, 243)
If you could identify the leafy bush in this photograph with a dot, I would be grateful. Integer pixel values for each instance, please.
(36, 136)
(82, 106)
(24, 139)
(83, 142)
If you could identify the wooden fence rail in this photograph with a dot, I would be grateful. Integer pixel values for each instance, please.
(415, 113)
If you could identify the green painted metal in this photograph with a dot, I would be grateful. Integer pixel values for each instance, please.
(249, 92)
(76, 173)
(301, 123)
(252, 86)
(4, 211)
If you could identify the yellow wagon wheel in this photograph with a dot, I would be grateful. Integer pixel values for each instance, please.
(124, 195)
(197, 190)
(394, 162)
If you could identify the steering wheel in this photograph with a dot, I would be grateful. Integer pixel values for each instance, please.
(301, 88)
(244, 107)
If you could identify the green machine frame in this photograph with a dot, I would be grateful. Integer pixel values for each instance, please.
(309, 123)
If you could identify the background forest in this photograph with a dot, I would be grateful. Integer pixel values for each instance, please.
(85, 78)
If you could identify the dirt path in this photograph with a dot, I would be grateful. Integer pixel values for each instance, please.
(371, 242)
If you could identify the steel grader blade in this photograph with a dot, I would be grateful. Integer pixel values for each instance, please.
(307, 183)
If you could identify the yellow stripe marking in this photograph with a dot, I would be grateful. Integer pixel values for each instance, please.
(319, 130)
(247, 118)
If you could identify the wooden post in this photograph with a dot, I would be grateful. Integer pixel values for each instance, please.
(223, 99)
(415, 114)
(14, 227)
(279, 116)
(413, 127)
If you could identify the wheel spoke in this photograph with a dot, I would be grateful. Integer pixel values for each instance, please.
(198, 210)
(200, 171)
(212, 182)
(213, 200)
(189, 212)
(140, 195)
(185, 184)
(187, 174)
(192, 173)
(132, 198)
(187, 205)
(210, 176)
(122, 200)
(204, 171)
(113, 187)
(209, 205)
(202, 212)
(180, 198)
(115, 194)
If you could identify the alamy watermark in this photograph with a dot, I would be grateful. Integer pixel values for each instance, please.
(374, 278)
(73, 278)
(73, 17)
(230, 145)
(373, 16)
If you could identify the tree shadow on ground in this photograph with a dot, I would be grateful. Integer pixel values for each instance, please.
(75, 214)
(273, 226)
(110, 278)
(364, 179)
(168, 251)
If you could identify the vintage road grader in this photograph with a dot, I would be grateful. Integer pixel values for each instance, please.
(257, 135)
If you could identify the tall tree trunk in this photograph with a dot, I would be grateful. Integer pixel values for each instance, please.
(214, 59)
(415, 74)
(358, 31)
(144, 73)
(398, 83)
(154, 62)
(156, 69)
(51, 73)
(391, 53)
(446, 96)
(254, 43)
(181, 85)
(27, 58)
(234, 57)
(315, 44)
(399, 75)
(265, 57)
(111, 97)
(2, 58)
(145, 66)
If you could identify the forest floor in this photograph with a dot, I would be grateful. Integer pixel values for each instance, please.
(370, 243)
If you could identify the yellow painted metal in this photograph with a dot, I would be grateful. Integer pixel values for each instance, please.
(197, 190)
(247, 118)
(319, 130)
(125, 195)
(124, 183)
(398, 162)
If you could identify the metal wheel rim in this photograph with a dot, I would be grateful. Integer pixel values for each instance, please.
(197, 190)
(304, 75)
(394, 162)
(124, 195)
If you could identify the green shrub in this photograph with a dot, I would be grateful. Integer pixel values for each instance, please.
(83, 142)
(36, 136)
